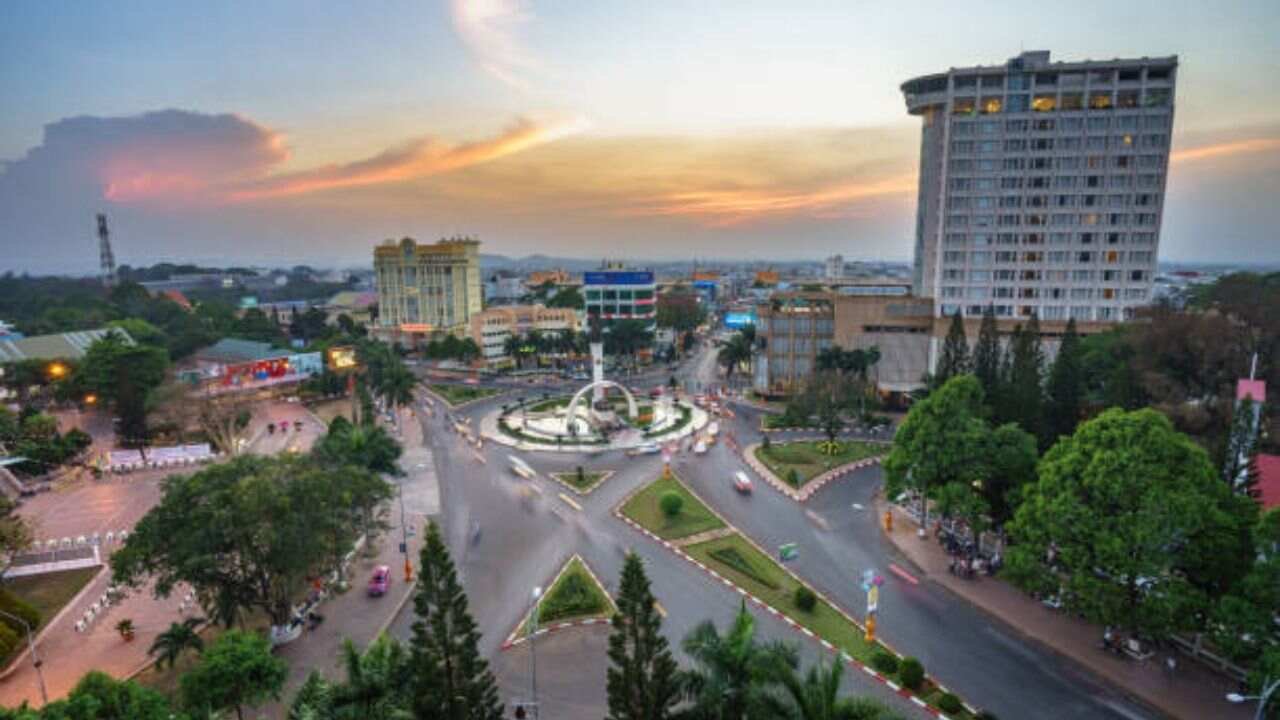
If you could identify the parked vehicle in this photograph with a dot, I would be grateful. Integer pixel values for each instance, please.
(380, 582)
(742, 483)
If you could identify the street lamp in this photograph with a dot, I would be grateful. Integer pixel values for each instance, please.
(533, 655)
(36, 662)
(57, 370)
(1268, 689)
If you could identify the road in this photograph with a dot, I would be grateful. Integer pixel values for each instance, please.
(526, 536)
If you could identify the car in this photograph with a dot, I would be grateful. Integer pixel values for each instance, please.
(380, 581)
(700, 448)
(651, 448)
(742, 483)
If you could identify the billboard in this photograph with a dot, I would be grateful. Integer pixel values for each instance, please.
(341, 358)
(618, 277)
(737, 320)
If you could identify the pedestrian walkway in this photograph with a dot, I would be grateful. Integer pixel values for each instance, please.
(1191, 691)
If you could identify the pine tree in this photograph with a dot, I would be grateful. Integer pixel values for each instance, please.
(450, 680)
(955, 352)
(314, 700)
(1241, 448)
(642, 683)
(1065, 389)
(986, 355)
(1024, 391)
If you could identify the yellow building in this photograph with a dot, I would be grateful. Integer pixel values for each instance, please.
(425, 290)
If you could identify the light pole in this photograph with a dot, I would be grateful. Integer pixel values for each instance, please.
(1269, 688)
(533, 655)
(404, 535)
(36, 662)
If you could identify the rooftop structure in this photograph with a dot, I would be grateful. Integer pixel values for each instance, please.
(60, 346)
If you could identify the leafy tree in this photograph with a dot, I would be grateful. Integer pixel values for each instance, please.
(1111, 379)
(314, 700)
(567, 297)
(816, 696)
(643, 680)
(1022, 394)
(123, 376)
(963, 501)
(15, 533)
(179, 638)
(680, 310)
(1242, 448)
(266, 525)
(98, 696)
(237, 670)
(450, 679)
(627, 337)
(987, 353)
(943, 440)
(369, 447)
(1125, 502)
(376, 684)
(731, 674)
(1064, 391)
(735, 353)
(955, 352)
(1243, 621)
(1011, 461)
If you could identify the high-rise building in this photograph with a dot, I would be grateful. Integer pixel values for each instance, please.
(426, 289)
(1042, 185)
(615, 294)
(833, 268)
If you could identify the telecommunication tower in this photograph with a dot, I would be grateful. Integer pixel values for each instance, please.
(106, 258)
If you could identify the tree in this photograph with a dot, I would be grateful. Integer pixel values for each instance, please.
(265, 526)
(1022, 395)
(15, 533)
(567, 297)
(314, 700)
(1065, 389)
(627, 337)
(179, 638)
(223, 418)
(369, 447)
(816, 696)
(377, 681)
(986, 354)
(123, 376)
(943, 440)
(1011, 461)
(237, 670)
(731, 673)
(98, 696)
(643, 677)
(1125, 503)
(1243, 620)
(1242, 448)
(955, 352)
(450, 679)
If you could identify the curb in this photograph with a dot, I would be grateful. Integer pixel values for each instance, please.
(554, 628)
(607, 474)
(515, 638)
(813, 486)
(450, 406)
(13, 664)
(670, 545)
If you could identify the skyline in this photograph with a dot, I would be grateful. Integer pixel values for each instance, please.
(755, 132)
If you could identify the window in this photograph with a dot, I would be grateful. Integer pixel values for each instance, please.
(988, 127)
(992, 105)
(1137, 275)
(959, 166)
(1016, 104)
(1059, 238)
(1042, 144)
(1135, 294)
(1038, 201)
(1081, 312)
(1058, 257)
(1145, 219)
(956, 238)
(962, 146)
(1110, 275)
(952, 292)
(1081, 293)
(980, 258)
(1144, 199)
(1005, 275)
(1044, 103)
(1118, 219)
(1019, 81)
(1004, 256)
(1081, 275)
(1012, 221)
(1099, 124)
(1111, 257)
(1062, 219)
(978, 293)
(992, 81)
(1127, 122)
(1149, 161)
(982, 220)
(1033, 220)
(982, 239)
(988, 146)
(1014, 164)
(1155, 122)
(1156, 97)
(1010, 183)
(960, 203)
(1130, 74)
(1127, 99)
(1011, 201)
(1046, 79)
(963, 106)
(1032, 256)
(1096, 142)
(1157, 140)
(961, 183)
(1072, 101)
(1140, 256)
(957, 220)
(1122, 162)
(1053, 313)
(1084, 256)
(966, 81)
(1041, 163)
(1120, 181)
(1096, 162)
(1093, 181)
(984, 184)
(1087, 238)
(1100, 101)
(986, 165)
(1101, 77)
(1063, 182)
(1069, 144)
(1033, 239)
(1115, 238)
(1043, 125)
(1090, 219)
(1002, 293)
(1015, 145)
(1149, 181)
(1015, 126)
(979, 276)
(1071, 124)
(1064, 200)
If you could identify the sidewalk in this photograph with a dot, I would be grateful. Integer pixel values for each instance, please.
(1191, 692)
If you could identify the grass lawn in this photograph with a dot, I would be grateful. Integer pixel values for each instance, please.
(457, 394)
(549, 405)
(574, 596)
(769, 582)
(809, 462)
(694, 517)
(48, 593)
(582, 483)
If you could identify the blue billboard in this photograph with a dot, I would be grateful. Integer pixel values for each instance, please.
(618, 277)
(737, 320)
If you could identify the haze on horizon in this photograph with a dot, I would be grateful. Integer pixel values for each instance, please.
(298, 133)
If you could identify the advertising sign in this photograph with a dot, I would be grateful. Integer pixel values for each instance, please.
(618, 277)
(341, 358)
(738, 320)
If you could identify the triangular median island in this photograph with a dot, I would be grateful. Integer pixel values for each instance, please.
(574, 595)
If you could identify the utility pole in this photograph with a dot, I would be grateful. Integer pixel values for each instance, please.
(36, 662)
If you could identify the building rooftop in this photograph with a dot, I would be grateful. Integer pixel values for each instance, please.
(61, 346)
(235, 350)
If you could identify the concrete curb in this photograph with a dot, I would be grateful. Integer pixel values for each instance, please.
(515, 638)
(450, 406)
(670, 545)
(607, 474)
(808, 489)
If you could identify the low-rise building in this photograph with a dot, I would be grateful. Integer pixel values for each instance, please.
(491, 328)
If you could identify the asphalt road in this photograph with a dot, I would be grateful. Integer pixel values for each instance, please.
(526, 535)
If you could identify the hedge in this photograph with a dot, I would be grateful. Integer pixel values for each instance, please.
(911, 673)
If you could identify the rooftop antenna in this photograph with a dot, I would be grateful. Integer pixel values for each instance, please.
(106, 259)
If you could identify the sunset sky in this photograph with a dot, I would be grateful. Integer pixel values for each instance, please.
(283, 132)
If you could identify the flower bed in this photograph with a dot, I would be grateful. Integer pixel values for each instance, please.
(808, 462)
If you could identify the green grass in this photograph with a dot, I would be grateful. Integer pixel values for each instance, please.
(686, 415)
(48, 593)
(458, 394)
(732, 557)
(779, 592)
(574, 596)
(694, 517)
(549, 405)
(585, 483)
(809, 462)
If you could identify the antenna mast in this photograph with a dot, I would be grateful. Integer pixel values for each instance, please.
(106, 258)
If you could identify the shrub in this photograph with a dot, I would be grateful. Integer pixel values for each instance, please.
(949, 703)
(885, 662)
(575, 595)
(793, 477)
(582, 474)
(671, 503)
(805, 599)
(911, 673)
(15, 605)
(9, 640)
(764, 444)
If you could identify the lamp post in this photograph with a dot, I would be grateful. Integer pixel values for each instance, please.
(533, 655)
(1269, 688)
(36, 662)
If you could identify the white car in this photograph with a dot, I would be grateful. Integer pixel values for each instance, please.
(742, 483)
(648, 449)
(700, 448)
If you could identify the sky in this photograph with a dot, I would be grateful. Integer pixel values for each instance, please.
(281, 132)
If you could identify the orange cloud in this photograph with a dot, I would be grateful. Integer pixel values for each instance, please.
(720, 208)
(416, 159)
(1235, 147)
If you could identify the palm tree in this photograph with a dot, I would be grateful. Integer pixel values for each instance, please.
(732, 674)
(817, 696)
(733, 354)
(396, 388)
(376, 684)
(365, 446)
(180, 637)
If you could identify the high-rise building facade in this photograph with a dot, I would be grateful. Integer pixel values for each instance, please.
(1042, 185)
(612, 295)
(427, 289)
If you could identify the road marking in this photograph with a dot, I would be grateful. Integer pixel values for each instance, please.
(570, 502)
(893, 568)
